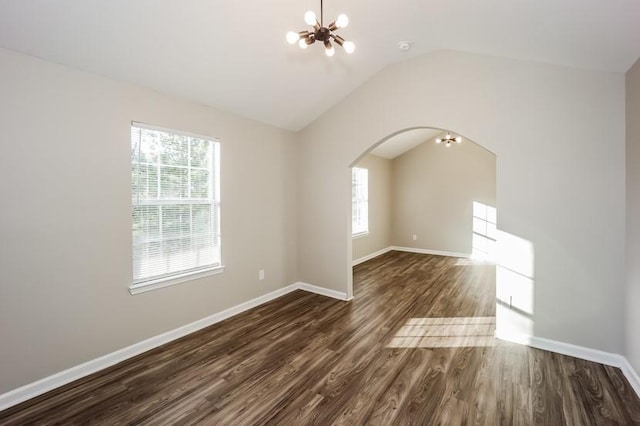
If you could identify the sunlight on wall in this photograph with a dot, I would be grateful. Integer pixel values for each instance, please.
(484, 232)
(514, 288)
(453, 332)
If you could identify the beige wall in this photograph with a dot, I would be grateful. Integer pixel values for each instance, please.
(379, 236)
(565, 196)
(65, 260)
(633, 216)
(65, 227)
(434, 188)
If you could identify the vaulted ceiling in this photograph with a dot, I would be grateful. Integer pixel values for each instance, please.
(403, 142)
(233, 54)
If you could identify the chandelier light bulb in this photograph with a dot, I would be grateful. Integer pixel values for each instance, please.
(438, 140)
(310, 18)
(329, 49)
(292, 37)
(349, 47)
(342, 21)
(302, 43)
(458, 139)
(448, 144)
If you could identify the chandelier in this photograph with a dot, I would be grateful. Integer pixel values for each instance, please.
(321, 33)
(448, 139)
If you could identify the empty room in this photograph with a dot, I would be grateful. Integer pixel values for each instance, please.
(319, 213)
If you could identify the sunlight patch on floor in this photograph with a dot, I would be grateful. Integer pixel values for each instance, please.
(453, 332)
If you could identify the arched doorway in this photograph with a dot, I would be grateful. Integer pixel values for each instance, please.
(420, 196)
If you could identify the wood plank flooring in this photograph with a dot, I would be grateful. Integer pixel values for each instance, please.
(414, 347)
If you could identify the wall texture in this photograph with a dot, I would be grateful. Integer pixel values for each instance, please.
(633, 216)
(379, 236)
(65, 241)
(434, 188)
(567, 199)
(65, 227)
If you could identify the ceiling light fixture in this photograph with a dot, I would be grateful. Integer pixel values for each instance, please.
(321, 33)
(404, 45)
(448, 139)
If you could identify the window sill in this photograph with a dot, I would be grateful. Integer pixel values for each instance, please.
(170, 281)
(360, 235)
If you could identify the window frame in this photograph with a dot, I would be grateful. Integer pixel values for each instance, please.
(185, 275)
(354, 202)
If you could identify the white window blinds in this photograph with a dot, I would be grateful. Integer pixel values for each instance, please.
(360, 201)
(175, 198)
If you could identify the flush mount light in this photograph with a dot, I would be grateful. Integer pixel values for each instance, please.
(448, 139)
(321, 33)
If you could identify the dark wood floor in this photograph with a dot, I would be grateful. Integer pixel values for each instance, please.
(415, 346)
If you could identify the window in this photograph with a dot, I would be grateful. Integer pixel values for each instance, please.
(360, 201)
(175, 189)
(484, 232)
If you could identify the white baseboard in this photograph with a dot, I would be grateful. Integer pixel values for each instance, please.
(409, 250)
(322, 291)
(46, 384)
(54, 381)
(594, 355)
(371, 256)
(575, 351)
(631, 375)
(428, 251)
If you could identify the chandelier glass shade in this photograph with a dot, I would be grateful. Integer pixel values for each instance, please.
(448, 139)
(318, 32)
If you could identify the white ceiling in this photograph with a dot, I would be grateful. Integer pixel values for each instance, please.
(403, 142)
(233, 54)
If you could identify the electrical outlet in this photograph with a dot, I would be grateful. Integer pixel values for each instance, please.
(261, 274)
(415, 237)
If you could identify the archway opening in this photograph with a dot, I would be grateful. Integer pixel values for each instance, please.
(425, 190)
